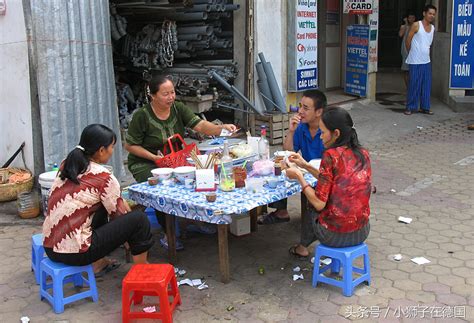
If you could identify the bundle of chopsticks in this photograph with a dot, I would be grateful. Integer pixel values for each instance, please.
(211, 159)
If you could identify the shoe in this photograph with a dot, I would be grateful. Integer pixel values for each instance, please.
(407, 112)
(107, 269)
(271, 218)
(470, 127)
(204, 229)
(164, 244)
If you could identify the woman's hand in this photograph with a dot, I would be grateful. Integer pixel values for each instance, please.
(294, 173)
(298, 160)
(229, 127)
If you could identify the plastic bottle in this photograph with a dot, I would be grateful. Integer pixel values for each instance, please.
(55, 167)
(263, 145)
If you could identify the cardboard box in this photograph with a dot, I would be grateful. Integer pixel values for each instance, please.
(240, 225)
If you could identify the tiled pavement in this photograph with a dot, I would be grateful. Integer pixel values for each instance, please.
(418, 174)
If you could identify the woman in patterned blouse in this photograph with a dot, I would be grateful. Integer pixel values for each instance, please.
(341, 196)
(84, 194)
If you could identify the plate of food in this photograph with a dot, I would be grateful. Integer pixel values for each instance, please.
(217, 144)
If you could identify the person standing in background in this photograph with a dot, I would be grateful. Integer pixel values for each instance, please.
(403, 33)
(418, 43)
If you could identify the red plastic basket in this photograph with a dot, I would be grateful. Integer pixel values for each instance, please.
(176, 157)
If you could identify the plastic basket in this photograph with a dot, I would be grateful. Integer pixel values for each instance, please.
(176, 157)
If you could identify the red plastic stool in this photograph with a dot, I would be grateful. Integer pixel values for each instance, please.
(150, 280)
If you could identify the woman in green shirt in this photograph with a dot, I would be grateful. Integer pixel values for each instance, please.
(152, 125)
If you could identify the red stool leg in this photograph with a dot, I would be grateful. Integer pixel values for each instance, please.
(165, 308)
(125, 303)
(175, 290)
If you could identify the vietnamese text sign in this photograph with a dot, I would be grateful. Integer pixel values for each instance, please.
(357, 59)
(373, 43)
(306, 45)
(462, 47)
(358, 7)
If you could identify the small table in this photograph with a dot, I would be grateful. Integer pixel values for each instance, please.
(176, 200)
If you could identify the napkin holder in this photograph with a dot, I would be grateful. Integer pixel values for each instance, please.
(205, 180)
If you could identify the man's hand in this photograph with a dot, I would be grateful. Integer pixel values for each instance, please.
(229, 127)
(294, 122)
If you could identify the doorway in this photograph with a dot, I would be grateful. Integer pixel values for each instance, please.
(390, 21)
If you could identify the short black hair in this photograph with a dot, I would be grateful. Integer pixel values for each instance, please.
(428, 7)
(319, 99)
(411, 13)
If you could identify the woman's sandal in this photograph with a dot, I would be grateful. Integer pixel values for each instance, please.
(164, 244)
(293, 252)
(107, 269)
(426, 112)
(407, 112)
(271, 218)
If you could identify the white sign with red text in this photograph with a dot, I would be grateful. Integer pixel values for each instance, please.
(358, 7)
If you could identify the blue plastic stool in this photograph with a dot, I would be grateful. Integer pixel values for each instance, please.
(37, 254)
(342, 257)
(62, 274)
(150, 213)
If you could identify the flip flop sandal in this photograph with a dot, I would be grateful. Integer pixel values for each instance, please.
(271, 218)
(427, 112)
(293, 252)
(164, 244)
(407, 112)
(470, 127)
(107, 269)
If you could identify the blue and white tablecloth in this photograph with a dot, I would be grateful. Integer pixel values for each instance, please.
(179, 201)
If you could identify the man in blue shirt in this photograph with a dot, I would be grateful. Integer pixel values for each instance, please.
(304, 136)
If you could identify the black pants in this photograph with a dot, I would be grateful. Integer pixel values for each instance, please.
(133, 227)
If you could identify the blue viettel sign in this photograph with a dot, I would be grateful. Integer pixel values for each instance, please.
(357, 59)
(462, 46)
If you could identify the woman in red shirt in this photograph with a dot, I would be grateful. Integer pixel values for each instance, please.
(342, 193)
(84, 195)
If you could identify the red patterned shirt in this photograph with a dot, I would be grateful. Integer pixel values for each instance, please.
(71, 208)
(345, 186)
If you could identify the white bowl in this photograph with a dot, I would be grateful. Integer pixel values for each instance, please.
(283, 153)
(184, 172)
(162, 173)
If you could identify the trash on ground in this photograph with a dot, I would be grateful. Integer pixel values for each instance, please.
(24, 319)
(419, 127)
(297, 277)
(326, 261)
(261, 270)
(420, 260)
(297, 269)
(394, 124)
(182, 272)
(190, 282)
(149, 309)
(404, 219)
(230, 308)
(397, 257)
(393, 191)
(202, 286)
(312, 260)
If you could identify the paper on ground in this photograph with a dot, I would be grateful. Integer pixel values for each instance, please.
(297, 277)
(149, 309)
(326, 261)
(404, 219)
(190, 282)
(420, 260)
(202, 286)
(297, 269)
(397, 257)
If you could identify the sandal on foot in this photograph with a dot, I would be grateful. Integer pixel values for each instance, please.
(293, 252)
(407, 112)
(427, 112)
(107, 269)
(271, 218)
(164, 244)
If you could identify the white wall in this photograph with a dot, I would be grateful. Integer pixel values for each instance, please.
(270, 39)
(15, 104)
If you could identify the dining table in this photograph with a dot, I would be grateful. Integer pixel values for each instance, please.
(175, 200)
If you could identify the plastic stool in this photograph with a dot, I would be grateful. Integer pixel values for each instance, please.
(344, 257)
(62, 274)
(37, 254)
(150, 280)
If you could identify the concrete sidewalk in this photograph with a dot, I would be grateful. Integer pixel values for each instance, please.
(421, 170)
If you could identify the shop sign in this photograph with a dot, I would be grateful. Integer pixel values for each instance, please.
(357, 59)
(462, 46)
(358, 7)
(373, 43)
(306, 45)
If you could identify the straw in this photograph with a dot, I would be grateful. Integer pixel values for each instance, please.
(245, 163)
(223, 169)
